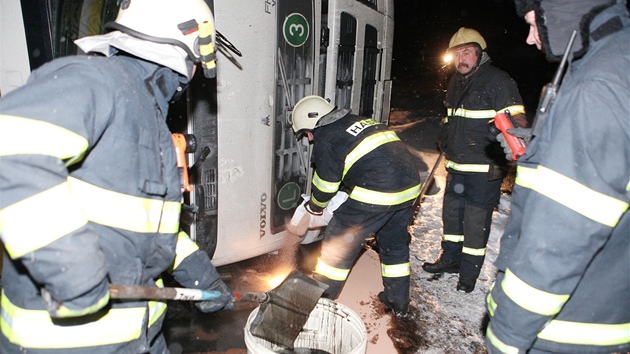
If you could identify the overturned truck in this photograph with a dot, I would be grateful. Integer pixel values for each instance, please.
(247, 170)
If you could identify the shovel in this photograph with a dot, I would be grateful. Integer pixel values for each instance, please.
(282, 315)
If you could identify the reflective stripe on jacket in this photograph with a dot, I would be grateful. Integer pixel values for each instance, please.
(471, 103)
(366, 158)
(90, 190)
(564, 280)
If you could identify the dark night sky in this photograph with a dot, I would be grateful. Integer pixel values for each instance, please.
(423, 29)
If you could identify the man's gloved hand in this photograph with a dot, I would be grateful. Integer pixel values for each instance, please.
(224, 302)
(304, 218)
(298, 225)
(87, 303)
(524, 133)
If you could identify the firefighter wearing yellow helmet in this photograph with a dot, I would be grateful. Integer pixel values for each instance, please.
(476, 93)
(364, 158)
(91, 195)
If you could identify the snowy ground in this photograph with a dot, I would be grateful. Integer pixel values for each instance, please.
(443, 320)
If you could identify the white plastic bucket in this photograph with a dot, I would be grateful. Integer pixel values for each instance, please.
(331, 327)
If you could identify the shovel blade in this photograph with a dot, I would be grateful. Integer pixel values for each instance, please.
(281, 318)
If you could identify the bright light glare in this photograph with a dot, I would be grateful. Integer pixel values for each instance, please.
(448, 58)
(277, 279)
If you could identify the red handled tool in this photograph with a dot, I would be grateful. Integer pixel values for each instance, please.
(503, 122)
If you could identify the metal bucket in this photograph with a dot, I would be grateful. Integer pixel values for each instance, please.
(330, 328)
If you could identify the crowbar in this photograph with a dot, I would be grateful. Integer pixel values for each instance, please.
(138, 292)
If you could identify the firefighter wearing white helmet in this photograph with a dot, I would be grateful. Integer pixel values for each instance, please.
(176, 34)
(308, 111)
(364, 158)
(106, 184)
(476, 93)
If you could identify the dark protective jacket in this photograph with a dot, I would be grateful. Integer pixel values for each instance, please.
(369, 160)
(565, 256)
(90, 195)
(471, 102)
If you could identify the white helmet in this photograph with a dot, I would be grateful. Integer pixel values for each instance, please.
(308, 111)
(187, 24)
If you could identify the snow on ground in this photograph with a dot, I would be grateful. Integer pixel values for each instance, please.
(449, 321)
(445, 320)
(442, 319)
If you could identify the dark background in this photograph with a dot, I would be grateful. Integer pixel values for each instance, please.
(423, 29)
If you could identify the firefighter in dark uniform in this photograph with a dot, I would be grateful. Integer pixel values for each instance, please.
(475, 164)
(90, 193)
(564, 268)
(381, 176)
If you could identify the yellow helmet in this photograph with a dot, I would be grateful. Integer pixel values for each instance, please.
(187, 24)
(308, 111)
(466, 36)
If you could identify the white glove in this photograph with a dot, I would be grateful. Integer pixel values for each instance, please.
(302, 220)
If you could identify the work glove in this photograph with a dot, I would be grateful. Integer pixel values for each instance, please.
(524, 133)
(87, 303)
(304, 218)
(224, 302)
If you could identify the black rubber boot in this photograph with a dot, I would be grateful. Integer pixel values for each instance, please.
(466, 285)
(400, 311)
(441, 266)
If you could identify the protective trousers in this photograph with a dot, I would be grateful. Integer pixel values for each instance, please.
(469, 200)
(345, 236)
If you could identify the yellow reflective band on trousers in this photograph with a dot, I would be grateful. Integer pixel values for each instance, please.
(331, 272)
(366, 146)
(472, 114)
(474, 251)
(185, 247)
(467, 167)
(325, 186)
(59, 215)
(453, 238)
(503, 348)
(578, 197)
(124, 211)
(384, 198)
(530, 298)
(396, 270)
(525, 176)
(35, 329)
(43, 139)
(586, 333)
